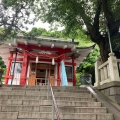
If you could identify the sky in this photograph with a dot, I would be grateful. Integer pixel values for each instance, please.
(39, 24)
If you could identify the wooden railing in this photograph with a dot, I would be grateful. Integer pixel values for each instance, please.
(36, 82)
(108, 71)
(41, 81)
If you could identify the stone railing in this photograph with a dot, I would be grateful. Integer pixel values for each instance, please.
(118, 62)
(107, 72)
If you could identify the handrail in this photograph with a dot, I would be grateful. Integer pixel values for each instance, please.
(104, 64)
(55, 104)
(118, 60)
(112, 107)
(54, 101)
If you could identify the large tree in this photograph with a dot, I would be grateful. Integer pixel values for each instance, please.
(93, 14)
(14, 15)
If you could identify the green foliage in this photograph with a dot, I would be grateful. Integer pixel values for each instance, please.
(78, 74)
(12, 34)
(90, 16)
(79, 37)
(2, 64)
(36, 32)
(88, 65)
(14, 15)
(87, 17)
(2, 67)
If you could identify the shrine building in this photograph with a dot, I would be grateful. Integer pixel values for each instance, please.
(42, 60)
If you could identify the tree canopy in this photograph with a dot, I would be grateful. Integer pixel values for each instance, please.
(93, 15)
(14, 15)
(88, 16)
(88, 65)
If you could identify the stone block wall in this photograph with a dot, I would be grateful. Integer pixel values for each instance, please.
(111, 90)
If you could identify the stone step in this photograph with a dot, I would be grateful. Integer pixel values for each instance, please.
(18, 99)
(5, 97)
(11, 102)
(18, 108)
(26, 119)
(44, 96)
(8, 115)
(78, 103)
(67, 98)
(63, 109)
(20, 102)
(47, 115)
(71, 116)
(70, 92)
(62, 103)
(69, 109)
(22, 86)
(29, 103)
(42, 93)
(69, 87)
(42, 87)
(70, 98)
(58, 94)
(6, 92)
(49, 102)
(23, 119)
(73, 91)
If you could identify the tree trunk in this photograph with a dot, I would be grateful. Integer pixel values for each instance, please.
(104, 49)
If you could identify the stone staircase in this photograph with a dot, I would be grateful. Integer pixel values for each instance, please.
(30, 103)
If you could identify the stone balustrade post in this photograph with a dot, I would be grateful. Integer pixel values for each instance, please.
(113, 68)
(97, 73)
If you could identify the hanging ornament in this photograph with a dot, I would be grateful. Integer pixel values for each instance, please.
(37, 59)
(53, 61)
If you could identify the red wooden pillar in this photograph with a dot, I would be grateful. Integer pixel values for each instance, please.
(74, 75)
(8, 68)
(24, 69)
(58, 73)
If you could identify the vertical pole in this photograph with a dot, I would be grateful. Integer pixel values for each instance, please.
(52, 110)
(8, 68)
(109, 38)
(24, 69)
(47, 90)
(48, 85)
(58, 73)
(73, 71)
(97, 73)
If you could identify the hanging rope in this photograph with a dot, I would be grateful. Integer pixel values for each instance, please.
(44, 55)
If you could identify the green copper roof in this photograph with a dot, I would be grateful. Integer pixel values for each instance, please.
(48, 39)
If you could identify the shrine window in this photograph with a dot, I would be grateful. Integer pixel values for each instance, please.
(15, 68)
(69, 71)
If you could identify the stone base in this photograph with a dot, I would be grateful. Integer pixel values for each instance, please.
(111, 90)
